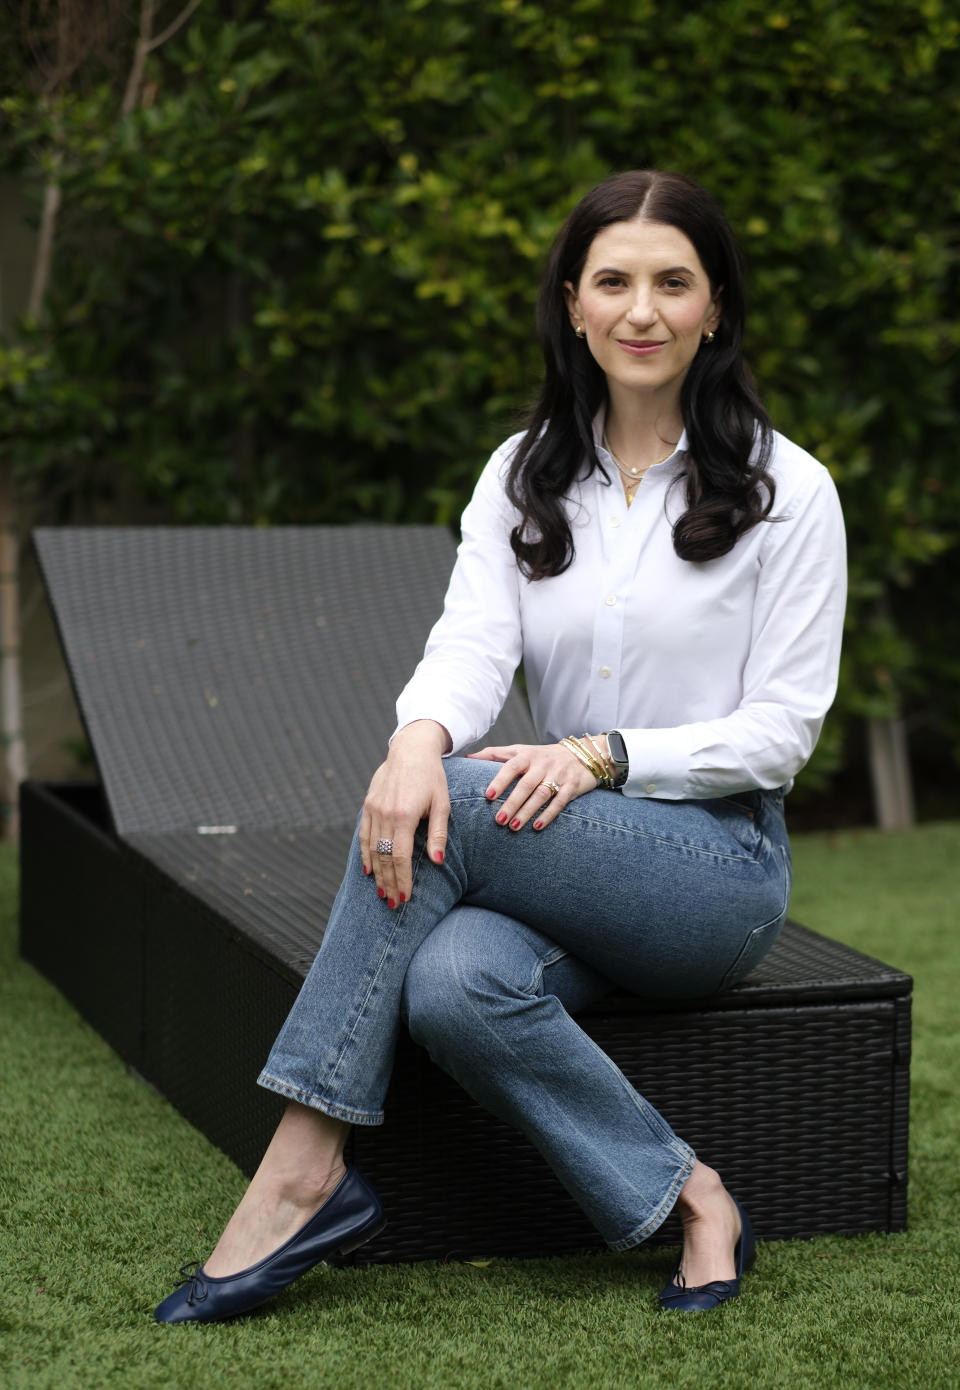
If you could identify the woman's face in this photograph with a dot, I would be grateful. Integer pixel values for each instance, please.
(646, 303)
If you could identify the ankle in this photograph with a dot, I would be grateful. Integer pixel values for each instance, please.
(701, 1193)
(305, 1189)
(324, 1183)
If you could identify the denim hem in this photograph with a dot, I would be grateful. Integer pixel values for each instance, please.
(328, 1107)
(654, 1223)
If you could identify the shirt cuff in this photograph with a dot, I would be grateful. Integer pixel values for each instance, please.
(659, 762)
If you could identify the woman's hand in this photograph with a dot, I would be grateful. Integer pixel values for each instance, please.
(409, 787)
(531, 766)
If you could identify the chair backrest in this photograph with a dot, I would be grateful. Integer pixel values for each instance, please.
(244, 675)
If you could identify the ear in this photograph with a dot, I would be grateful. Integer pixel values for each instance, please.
(573, 304)
(712, 322)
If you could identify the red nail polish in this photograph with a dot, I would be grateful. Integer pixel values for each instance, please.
(490, 793)
(438, 857)
(501, 818)
(515, 824)
(538, 825)
(391, 903)
(365, 869)
(403, 897)
(379, 892)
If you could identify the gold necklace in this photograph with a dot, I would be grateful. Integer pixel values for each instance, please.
(631, 475)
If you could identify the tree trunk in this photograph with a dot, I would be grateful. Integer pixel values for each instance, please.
(890, 774)
(14, 748)
(11, 689)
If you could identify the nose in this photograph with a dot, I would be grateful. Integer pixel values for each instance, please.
(643, 310)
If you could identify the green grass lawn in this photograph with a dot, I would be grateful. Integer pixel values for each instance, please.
(104, 1190)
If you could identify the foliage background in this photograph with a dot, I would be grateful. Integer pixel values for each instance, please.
(295, 282)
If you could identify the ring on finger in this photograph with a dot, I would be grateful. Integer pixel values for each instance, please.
(385, 847)
(551, 786)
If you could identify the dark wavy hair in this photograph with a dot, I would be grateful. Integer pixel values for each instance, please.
(728, 487)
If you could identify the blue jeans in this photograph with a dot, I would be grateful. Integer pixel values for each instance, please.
(513, 931)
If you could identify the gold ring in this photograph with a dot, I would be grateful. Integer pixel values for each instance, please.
(552, 785)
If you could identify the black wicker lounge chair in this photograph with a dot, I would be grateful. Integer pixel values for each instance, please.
(237, 687)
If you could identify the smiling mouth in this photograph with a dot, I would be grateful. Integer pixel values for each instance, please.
(640, 348)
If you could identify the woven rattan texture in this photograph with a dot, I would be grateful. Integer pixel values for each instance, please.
(243, 675)
(275, 887)
(80, 910)
(212, 1007)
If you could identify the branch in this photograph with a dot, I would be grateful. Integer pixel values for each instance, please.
(147, 41)
(43, 258)
(171, 29)
(135, 79)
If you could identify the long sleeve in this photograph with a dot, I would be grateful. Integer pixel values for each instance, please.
(790, 673)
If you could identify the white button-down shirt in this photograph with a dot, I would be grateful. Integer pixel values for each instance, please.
(718, 674)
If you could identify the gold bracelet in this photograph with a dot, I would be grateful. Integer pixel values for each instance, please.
(605, 773)
(581, 755)
(604, 759)
(597, 769)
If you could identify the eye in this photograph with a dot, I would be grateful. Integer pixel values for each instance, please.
(611, 282)
(675, 282)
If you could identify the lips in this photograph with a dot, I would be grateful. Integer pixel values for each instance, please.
(640, 347)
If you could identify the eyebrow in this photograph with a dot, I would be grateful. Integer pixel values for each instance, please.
(670, 270)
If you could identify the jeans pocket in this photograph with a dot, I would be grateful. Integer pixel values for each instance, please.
(752, 952)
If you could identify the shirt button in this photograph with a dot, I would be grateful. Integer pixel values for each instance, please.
(651, 787)
(614, 521)
(610, 600)
(604, 672)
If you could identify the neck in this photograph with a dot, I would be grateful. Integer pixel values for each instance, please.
(644, 428)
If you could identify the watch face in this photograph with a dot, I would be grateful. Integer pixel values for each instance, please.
(618, 752)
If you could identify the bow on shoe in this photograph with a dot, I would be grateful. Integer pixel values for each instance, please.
(190, 1274)
(698, 1297)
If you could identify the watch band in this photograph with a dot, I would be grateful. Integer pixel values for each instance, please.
(618, 756)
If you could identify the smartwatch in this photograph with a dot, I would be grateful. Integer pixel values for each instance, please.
(618, 756)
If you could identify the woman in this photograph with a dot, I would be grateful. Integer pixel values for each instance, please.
(670, 571)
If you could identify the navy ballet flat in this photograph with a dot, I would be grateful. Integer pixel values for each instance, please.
(351, 1215)
(705, 1297)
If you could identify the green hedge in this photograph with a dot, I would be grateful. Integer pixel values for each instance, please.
(297, 282)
